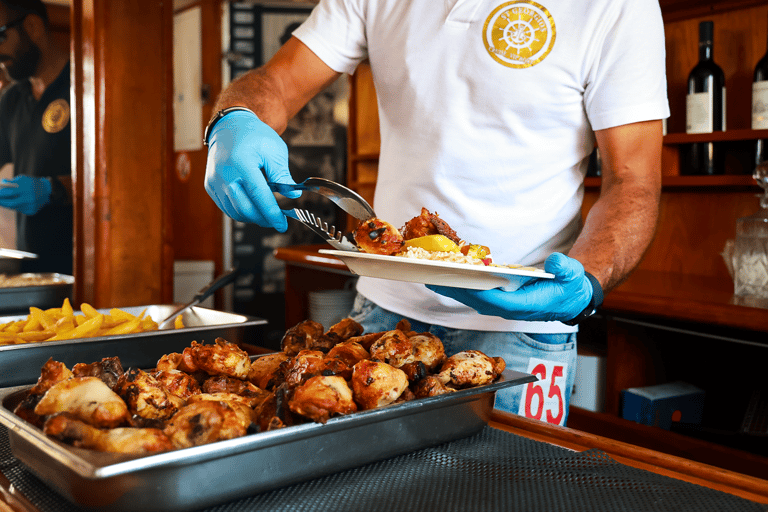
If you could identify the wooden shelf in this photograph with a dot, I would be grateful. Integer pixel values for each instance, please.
(682, 297)
(675, 10)
(717, 182)
(726, 136)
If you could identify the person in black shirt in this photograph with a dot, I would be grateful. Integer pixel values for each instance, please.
(35, 136)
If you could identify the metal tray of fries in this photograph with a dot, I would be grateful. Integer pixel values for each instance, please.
(219, 472)
(21, 363)
(52, 293)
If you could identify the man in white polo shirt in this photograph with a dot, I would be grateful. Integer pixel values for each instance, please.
(489, 110)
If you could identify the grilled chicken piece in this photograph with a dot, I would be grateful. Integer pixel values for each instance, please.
(301, 336)
(428, 349)
(302, 366)
(394, 348)
(221, 358)
(336, 366)
(116, 440)
(51, 373)
(87, 399)
(321, 397)
(274, 413)
(405, 326)
(430, 386)
(206, 421)
(416, 355)
(376, 236)
(376, 384)
(26, 410)
(242, 404)
(178, 383)
(366, 340)
(344, 329)
(428, 224)
(108, 370)
(350, 352)
(169, 361)
(268, 371)
(470, 368)
(145, 396)
(223, 384)
(309, 335)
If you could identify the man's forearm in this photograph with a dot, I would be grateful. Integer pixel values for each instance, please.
(259, 92)
(621, 224)
(279, 89)
(617, 232)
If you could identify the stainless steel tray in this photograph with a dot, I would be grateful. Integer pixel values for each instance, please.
(21, 364)
(197, 477)
(20, 298)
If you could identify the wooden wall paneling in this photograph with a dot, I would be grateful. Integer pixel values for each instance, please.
(122, 96)
(197, 222)
(693, 228)
(84, 85)
(364, 113)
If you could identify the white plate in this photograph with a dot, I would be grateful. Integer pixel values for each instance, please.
(457, 275)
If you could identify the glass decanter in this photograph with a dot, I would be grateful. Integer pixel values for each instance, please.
(750, 252)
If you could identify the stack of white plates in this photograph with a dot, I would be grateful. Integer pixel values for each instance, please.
(328, 307)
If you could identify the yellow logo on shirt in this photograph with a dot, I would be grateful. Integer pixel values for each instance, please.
(519, 34)
(56, 116)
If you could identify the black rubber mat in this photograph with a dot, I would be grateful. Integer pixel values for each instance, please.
(492, 470)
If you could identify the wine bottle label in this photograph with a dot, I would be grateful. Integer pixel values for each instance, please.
(698, 113)
(760, 105)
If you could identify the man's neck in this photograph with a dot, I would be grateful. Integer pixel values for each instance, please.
(51, 65)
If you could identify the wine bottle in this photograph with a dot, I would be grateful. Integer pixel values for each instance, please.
(760, 106)
(705, 106)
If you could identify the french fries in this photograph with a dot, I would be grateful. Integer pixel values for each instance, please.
(64, 324)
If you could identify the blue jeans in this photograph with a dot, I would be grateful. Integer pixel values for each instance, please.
(536, 353)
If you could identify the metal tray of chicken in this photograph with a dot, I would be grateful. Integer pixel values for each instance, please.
(193, 478)
(20, 364)
(39, 290)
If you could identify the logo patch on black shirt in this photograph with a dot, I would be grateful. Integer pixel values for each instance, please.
(56, 116)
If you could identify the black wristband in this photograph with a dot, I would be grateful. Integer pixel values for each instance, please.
(218, 116)
(59, 193)
(594, 302)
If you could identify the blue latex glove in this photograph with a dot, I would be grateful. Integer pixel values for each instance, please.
(240, 148)
(558, 299)
(28, 197)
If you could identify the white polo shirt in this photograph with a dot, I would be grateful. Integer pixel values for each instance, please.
(487, 110)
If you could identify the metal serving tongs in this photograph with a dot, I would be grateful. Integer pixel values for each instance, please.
(345, 198)
(219, 283)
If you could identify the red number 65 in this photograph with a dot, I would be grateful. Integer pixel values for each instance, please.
(536, 390)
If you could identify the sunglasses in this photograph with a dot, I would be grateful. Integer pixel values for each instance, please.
(4, 28)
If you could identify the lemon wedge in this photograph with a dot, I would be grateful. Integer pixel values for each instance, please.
(433, 243)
